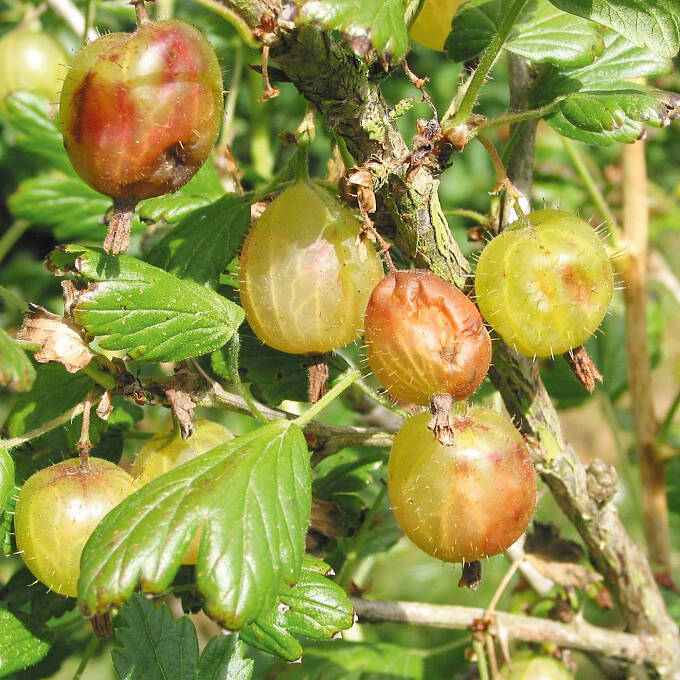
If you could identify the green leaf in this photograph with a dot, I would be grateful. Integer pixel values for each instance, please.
(620, 61)
(151, 645)
(273, 375)
(200, 247)
(222, 659)
(16, 369)
(609, 117)
(252, 498)
(35, 131)
(378, 23)
(593, 103)
(315, 607)
(66, 205)
(654, 24)
(6, 478)
(203, 189)
(54, 392)
(357, 661)
(541, 33)
(22, 643)
(140, 310)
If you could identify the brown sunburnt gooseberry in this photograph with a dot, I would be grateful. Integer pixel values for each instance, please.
(140, 114)
(425, 337)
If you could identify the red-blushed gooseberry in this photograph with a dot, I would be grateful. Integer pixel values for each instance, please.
(545, 288)
(305, 274)
(166, 450)
(466, 501)
(141, 111)
(57, 510)
(433, 24)
(33, 61)
(423, 337)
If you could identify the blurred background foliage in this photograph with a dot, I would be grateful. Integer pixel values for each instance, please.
(37, 191)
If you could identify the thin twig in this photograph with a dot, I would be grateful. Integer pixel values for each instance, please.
(578, 634)
(43, 429)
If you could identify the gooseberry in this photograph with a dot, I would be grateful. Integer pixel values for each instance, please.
(423, 336)
(434, 22)
(141, 111)
(545, 288)
(305, 274)
(466, 501)
(529, 666)
(57, 510)
(166, 450)
(33, 61)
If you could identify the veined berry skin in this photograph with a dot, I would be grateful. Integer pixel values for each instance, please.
(57, 510)
(33, 61)
(466, 501)
(545, 289)
(166, 450)
(141, 111)
(532, 666)
(423, 337)
(305, 275)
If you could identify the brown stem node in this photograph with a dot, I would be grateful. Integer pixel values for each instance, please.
(441, 423)
(318, 377)
(472, 575)
(583, 367)
(101, 625)
(118, 236)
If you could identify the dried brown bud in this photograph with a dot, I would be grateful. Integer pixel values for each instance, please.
(60, 339)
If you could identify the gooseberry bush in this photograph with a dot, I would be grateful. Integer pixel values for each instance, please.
(337, 339)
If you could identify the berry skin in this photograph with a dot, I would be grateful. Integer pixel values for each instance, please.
(141, 111)
(423, 337)
(305, 274)
(57, 510)
(33, 61)
(433, 23)
(466, 501)
(545, 289)
(166, 450)
(529, 666)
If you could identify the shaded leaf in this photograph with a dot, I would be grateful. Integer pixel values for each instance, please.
(541, 33)
(358, 661)
(273, 375)
(66, 205)
(54, 392)
(651, 23)
(6, 478)
(222, 659)
(16, 369)
(36, 133)
(315, 607)
(378, 23)
(202, 190)
(22, 643)
(140, 310)
(200, 247)
(251, 496)
(151, 645)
